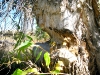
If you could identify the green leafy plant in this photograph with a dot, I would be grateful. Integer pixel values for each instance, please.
(19, 36)
(37, 58)
(47, 59)
(21, 46)
(21, 72)
(23, 43)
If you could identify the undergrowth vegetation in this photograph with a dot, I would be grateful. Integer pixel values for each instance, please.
(22, 55)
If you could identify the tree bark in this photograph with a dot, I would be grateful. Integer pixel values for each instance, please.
(75, 23)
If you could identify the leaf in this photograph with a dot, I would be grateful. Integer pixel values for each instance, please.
(24, 45)
(59, 65)
(55, 71)
(30, 38)
(17, 44)
(47, 59)
(19, 72)
(20, 37)
(32, 70)
(58, 68)
(37, 58)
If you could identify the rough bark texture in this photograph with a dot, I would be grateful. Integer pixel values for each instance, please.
(73, 24)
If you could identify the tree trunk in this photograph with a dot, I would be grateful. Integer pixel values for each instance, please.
(74, 25)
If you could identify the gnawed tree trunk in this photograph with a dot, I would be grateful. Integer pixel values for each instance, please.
(73, 24)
